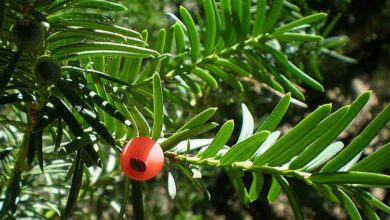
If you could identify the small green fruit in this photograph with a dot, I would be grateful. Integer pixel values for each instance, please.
(47, 71)
(28, 34)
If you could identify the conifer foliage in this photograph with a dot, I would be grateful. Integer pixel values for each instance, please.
(76, 85)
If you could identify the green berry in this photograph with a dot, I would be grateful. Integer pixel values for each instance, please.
(47, 71)
(28, 34)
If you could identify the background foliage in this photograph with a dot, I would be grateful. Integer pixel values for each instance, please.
(121, 70)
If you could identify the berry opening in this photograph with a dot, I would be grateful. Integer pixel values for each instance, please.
(137, 165)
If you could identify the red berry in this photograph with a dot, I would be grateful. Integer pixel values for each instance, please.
(142, 159)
